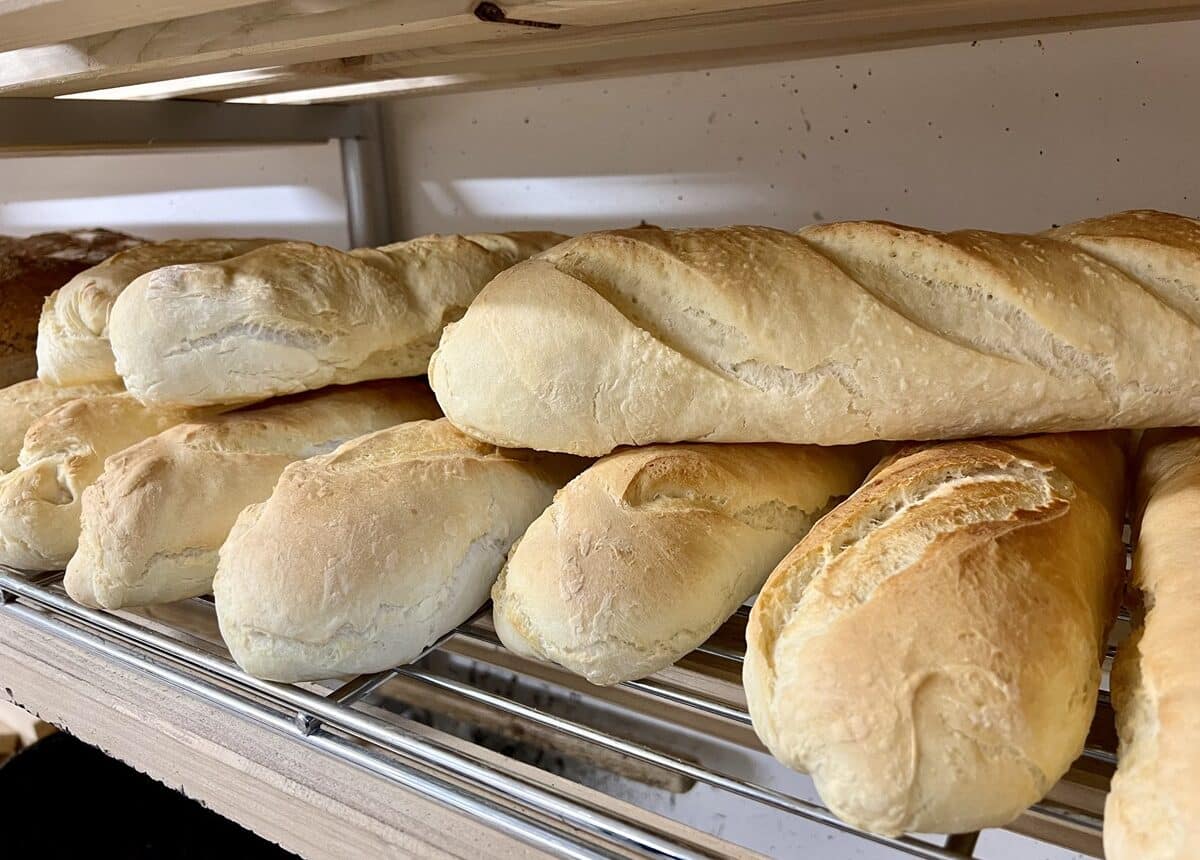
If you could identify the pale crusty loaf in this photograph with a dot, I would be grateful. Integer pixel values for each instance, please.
(644, 555)
(295, 316)
(360, 559)
(1153, 810)
(842, 333)
(63, 452)
(73, 346)
(153, 521)
(26, 402)
(930, 652)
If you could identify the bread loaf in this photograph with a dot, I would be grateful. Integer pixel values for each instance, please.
(930, 652)
(842, 333)
(1153, 810)
(644, 555)
(25, 402)
(73, 346)
(31, 269)
(63, 452)
(296, 316)
(87, 247)
(153, 521)
(24, 284)
(361, 558)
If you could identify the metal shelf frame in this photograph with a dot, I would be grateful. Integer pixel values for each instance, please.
(332, 725)
(58, 126)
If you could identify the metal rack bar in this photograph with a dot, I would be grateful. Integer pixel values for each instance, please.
(427, 752)
(750, 791)
(332, 715)
(647, 685)
(350, 692)
(1077, 818)
(54, 125)
(364, 176)
(521, 826)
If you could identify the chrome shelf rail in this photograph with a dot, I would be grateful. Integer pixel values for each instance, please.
(39, 125)
(564, 825)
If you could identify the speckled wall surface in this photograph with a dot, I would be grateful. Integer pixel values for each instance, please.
(1014, 134)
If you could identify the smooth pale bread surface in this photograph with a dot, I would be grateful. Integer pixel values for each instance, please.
(153, 521)
(64, 452)
(644, 555)
(930, 652)
(362, 558)
(1153, 809)
(295, 316)
(73, 339)
(839, 334)
(25, 402)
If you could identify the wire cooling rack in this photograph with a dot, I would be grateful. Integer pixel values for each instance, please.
(333, 721)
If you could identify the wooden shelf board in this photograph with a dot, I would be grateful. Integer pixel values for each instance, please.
(271, 783)
(388, 47)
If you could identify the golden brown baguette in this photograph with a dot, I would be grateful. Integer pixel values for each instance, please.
(839, 334)
(152, 523)
(643, 556)
(363, 557)
(295, 316)
(930, 652)
(1153, 810)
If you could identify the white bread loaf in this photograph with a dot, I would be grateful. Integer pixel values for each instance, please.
(644, 555)
(1153, 810)
(840, 334)
(26, 402)
(153, 521)
(930, 652)
(72, 342)
(63, 452)
(296, 316)
(360, 559)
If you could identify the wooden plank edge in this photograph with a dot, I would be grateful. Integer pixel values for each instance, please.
(276, 786)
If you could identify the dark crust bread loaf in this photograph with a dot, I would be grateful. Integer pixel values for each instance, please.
(30, 269)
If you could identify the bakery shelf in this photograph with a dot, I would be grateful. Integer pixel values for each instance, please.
(51, 126)
(158, 690)
(222, 49)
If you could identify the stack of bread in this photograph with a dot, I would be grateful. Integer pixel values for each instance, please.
(178, 380)
(837, 420)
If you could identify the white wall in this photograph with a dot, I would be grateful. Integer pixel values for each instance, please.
(1008, 134)
(293, 192)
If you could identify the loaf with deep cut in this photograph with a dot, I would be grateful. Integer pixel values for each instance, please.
(295, 316)
(73, 331)
(1153, 809)
(153, 521)
(364, 557)
(838, 334)
(930, 652)
(644, 555)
